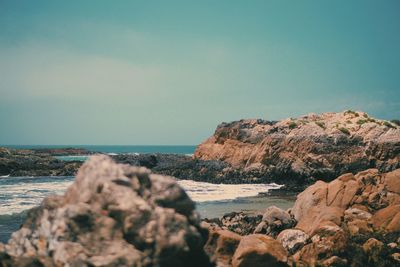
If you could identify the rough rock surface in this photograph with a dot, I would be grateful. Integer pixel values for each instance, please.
(351, 221)
(274, 221)
(259, 250)
(112, 215)
(40, 162)
(293, 239)
(221, 246)
(306, 149)
(238, 222)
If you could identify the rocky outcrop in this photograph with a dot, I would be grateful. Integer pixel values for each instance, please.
(181, 167)
(303, 150)
(43, 162)
(112, 215)
(26, 162)
(39, 162)
(353, 220)
(186, 167)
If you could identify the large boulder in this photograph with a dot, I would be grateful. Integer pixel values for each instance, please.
(361, 201)
(387, 219)
(112, 215)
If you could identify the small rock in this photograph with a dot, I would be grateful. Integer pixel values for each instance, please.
(273, 221)
(329, 240)
(356, 214)
(258, 251)
(335, 261)
(396, 257)
(373, 248)
(221, 246)
(240, 222)
(293, 239)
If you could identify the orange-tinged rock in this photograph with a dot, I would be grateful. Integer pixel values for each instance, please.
(346, 177)
(258, 251)
(393, 181)
(394, 225)
(221, 245)
(314, 195)
(328, 240)
(387, 218)
(373, 248)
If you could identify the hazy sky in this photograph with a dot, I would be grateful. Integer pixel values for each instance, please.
(167, 72)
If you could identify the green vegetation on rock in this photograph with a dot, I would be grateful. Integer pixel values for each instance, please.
(388, 124)
(292, 125)
(344, 130)
(321, 124)
(352, 112)
(397, 122)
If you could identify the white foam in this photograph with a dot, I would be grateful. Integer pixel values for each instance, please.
(22, 196)
(202, 192)
(18, 196)
(4, 176)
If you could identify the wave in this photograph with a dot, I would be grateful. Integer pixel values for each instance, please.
(25, 193)
(22, 193)
(206, 192)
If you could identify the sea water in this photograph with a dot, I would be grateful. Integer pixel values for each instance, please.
(120, 149)
(19, 194)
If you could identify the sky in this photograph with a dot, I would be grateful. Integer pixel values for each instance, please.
(168, 72)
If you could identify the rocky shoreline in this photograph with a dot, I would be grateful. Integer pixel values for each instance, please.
(43, 162)
(294, 152)
(119, 215)
(38, 162)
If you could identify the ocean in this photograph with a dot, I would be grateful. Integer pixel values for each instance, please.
(19, 194)
(119, 149)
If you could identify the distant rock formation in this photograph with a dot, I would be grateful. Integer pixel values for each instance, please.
(352, 221)
(305, 149)
(112, 215)
(38, 162)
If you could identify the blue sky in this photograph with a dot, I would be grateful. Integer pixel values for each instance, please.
(167, 72)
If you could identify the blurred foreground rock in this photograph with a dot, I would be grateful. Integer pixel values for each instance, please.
(112, 215)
